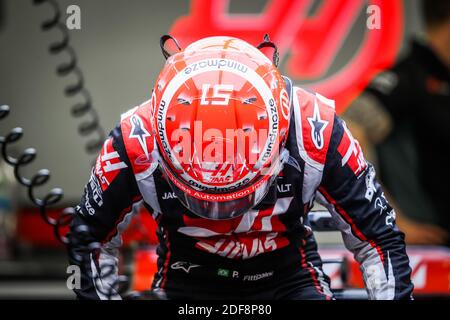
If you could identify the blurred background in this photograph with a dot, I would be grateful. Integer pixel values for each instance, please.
(393, 92)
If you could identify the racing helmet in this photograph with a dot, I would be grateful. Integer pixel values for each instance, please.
(220, 115)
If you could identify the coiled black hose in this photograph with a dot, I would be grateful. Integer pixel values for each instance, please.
(53, 197)
(91, 125)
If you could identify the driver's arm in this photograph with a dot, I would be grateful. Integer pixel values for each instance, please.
(367, 221)
(110, 199)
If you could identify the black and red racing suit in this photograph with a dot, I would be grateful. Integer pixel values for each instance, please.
(269, 252)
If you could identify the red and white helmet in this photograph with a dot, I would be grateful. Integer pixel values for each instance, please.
(220, 113)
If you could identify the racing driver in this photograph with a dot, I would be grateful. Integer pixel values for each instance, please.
(228, 157)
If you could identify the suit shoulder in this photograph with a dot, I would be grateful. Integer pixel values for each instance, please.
(138, 138)
(314, 119)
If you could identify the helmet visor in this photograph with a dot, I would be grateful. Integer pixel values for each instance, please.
(213, 206)
(221, 210)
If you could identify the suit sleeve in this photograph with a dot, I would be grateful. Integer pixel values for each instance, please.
(357, 204)
(109, 201)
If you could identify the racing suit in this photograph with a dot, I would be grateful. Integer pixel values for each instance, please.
(267, 253)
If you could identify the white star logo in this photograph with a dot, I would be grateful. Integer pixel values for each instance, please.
(139, 132)
(317, 127)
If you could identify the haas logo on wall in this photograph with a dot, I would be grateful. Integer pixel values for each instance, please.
(308, 41)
